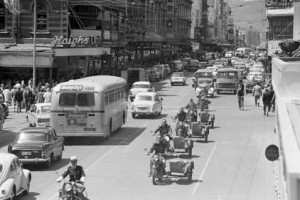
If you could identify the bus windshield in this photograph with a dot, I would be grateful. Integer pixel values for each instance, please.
(76, 99)
(227, 75)
(203, 74)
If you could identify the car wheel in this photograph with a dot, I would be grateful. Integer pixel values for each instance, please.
(49, 163)
(59, 157)
(28, 187)
(13, 195)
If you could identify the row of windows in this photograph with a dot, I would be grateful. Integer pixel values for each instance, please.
(114, 95)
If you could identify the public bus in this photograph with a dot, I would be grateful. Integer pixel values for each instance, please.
(91, 106)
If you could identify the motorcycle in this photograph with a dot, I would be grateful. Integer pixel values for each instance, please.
(73, 191)
(158, 168)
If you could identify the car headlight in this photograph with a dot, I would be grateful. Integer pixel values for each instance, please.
(3, 192)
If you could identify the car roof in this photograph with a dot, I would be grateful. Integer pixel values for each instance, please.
(5, 158)
(146, 93)
(35, 129)
(142, 82)
(227, 70)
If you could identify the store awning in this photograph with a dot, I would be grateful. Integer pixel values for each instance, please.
(280, 12)
(21, 55)
(92, 51)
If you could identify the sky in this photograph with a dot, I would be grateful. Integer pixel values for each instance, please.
(248, 13)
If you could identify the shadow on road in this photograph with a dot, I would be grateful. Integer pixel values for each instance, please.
(7, 137)
(203, 141)
(57, 164)
(152, 118)
(31, 196)
(185, 181)
(159, 85)
(122, 136)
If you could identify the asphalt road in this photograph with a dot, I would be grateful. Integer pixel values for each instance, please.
(230, 166)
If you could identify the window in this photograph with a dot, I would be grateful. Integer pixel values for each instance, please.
(41, 16)
(86, 99)
(67, 99)
(170, 8)
(2, 15)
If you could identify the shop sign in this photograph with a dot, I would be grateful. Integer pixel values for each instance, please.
(279, 4)
(80, 41)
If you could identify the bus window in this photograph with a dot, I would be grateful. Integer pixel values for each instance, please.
(86, 99)
(67, 99)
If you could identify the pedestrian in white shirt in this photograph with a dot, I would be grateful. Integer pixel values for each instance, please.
(47, 96)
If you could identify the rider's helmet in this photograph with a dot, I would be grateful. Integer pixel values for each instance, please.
(73, 160)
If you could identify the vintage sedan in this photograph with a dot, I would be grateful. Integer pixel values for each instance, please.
(39, 115)
(140, 86)
(37, 145)
(146, 103)
(14, 180)
(178, 78)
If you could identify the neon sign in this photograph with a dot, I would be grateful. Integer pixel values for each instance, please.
(72, 41)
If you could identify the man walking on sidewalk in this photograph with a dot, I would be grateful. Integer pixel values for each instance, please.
(257, 93)
(267, 98)
(19, 99)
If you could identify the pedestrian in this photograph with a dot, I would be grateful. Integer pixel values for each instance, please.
(273, 98)
(19, 99)
(2, 118)
(240, 95)
(257, 93)
(7, 95)
(266, 98)
(47, 96)
(28, 98)
(40, 95)
(13, 98)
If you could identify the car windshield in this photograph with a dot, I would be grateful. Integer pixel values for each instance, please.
(177, 75)
(31, 137)
(203, 74)
(140, 86)
(43, 109)
(204, 82)
(144, 98)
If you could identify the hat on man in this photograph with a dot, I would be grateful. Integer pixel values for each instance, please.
(73, 158)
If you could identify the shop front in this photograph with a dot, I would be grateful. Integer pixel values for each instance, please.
(16, 63)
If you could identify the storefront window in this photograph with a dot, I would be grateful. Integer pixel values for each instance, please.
(2, 15)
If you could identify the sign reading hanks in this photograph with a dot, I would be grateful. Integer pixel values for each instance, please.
(280, 4)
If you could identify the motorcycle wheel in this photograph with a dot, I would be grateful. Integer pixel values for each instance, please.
(154, 177)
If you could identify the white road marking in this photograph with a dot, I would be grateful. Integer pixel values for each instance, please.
(204, 169)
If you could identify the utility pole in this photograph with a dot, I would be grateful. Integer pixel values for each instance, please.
(34, 48)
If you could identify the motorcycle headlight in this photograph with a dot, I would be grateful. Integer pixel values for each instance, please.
(68, 187)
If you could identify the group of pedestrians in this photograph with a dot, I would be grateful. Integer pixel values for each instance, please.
(22, 96)
(266, 94)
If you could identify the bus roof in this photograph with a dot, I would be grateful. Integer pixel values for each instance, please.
(92, 83)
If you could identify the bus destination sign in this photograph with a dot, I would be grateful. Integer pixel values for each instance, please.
(76, 88)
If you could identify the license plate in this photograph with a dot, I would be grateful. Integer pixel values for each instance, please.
(26, 153)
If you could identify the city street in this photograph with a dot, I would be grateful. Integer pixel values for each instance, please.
(230, 166)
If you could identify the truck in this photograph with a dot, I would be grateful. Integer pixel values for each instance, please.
(37, 145)
(132, 75)
(286, 84)
(227, 80)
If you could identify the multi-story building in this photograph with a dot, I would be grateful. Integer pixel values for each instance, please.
(252, 37)
(280, 17)
(73, 39)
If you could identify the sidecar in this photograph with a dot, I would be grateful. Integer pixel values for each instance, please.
(180, 142)
(207, 119)
(180, 166)
(200, 130)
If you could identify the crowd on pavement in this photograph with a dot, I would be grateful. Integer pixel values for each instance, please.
(21, 97)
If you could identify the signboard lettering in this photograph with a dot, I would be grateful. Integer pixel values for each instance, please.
(71, 88)
(280, 4)
(72, 41)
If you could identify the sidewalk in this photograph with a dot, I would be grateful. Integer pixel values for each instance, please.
(14, 123)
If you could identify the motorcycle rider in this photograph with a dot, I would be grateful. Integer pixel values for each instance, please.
(165, 132)
(181, 115)
(203, 103)
(75, 172)
(192, 116)
(191, 105)
(157, 148)
(182, 127)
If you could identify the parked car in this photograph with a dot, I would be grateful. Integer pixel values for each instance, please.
(14, 179)
(39, 115)
(37, 145)
(140, 86)
(146, 103)
(178, 78)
